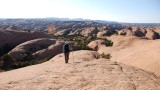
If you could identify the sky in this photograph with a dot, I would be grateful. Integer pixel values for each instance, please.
(132, 11)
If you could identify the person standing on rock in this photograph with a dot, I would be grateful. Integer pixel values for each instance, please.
(66, 50)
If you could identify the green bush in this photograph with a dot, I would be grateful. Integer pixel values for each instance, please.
(106, 56)
(44, 60)
(123, 34)
(108, 42)
(7, 62)
(29, 62)
(85, 47)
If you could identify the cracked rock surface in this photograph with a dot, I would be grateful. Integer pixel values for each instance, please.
(85, 71)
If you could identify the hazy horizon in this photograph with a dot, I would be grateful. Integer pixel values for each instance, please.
(135, 11)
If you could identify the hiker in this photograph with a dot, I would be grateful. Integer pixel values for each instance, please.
(66, 50)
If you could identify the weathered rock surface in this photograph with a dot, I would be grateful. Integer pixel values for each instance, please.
(136, 52)
(51, 51)
(89, 32)
(125, 32)
(152, 35)
(103, 33)
(146, 32)
(137, 32)
(63, 32)
(30, 47)
(96, 44)
(86, 72)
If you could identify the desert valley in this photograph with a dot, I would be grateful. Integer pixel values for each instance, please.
(105, 55)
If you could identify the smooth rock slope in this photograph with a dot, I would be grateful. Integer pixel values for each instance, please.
(83, 72)
(141, 53)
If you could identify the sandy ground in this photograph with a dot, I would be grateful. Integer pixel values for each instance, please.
(83, 72)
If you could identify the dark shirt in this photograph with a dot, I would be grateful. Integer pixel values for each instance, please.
(66, 48)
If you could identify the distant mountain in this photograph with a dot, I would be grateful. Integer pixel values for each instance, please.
(79, 19)
(62, 19)
(82, 19)
(143, 24)
(104, 22)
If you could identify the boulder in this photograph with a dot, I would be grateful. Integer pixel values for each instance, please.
(95, 44)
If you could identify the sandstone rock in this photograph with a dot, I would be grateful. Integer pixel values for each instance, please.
(89, 32)
(141, 53)
(137, 32)
(52, 29)
(20, 51)
(63, 32)
(152, 35)
(51, 51)
(125, 32)
(85, 72)
(122, 32)
(143, 30)
(75, 32)
(157, 30)
(103, 33)
(95, 44)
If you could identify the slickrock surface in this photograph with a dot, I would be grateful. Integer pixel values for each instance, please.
(83, 72)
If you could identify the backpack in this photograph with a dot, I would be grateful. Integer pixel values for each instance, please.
(66, 48)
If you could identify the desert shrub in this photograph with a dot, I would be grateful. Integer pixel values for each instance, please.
(44, 60)
(21, 64)
(108, 42)
(114, 32)
(77, 40)
(7, 62)
(123, 33)
(106, 56)
(130, 28)
(29, 62)
(110, 33)
(27, 56)
(85, 47)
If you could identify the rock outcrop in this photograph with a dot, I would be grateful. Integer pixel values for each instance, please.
(125, 32)
(103, 33)
(89, 32)
(152, 35)
(63, 32)
(29, 47)
(137, 32)
(141, 53)
(145, 32)
(51, 51)
(52, 29)
(85, 72)
(96, 44)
